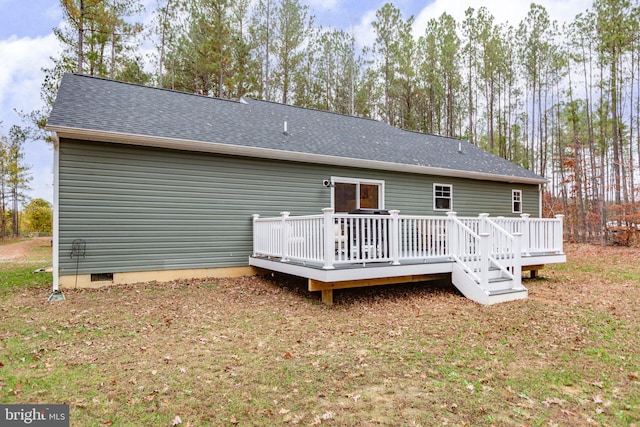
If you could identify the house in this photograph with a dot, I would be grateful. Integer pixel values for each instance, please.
(154, 184)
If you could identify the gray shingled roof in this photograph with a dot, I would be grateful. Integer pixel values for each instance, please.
(95, 104)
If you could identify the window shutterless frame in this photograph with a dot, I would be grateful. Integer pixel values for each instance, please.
(516, 201)
(348, 194)
(442, 197)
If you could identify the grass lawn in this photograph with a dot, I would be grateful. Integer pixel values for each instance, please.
(264, 351)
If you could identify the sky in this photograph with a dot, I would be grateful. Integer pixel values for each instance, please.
(27, 43)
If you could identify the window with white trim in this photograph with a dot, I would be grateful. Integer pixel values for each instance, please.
(349, 194)
(442, 197)
(516, 201)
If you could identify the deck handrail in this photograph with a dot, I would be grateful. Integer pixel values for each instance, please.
(368, 238)
(467, 248)
(299, 238)
(330, 238)
(489, 246)
(506, 252)
(422, 237)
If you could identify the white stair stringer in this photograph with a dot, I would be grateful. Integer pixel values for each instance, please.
(498, 289)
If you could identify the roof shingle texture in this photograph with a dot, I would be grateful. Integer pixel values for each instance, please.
(105, 105)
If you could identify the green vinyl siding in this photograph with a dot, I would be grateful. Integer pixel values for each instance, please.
(413, 195)
(142, 209)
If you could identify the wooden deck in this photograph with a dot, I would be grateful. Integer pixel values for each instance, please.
(483, 257)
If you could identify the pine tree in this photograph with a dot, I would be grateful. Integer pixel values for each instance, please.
(393, 44)
(15, 176)
(294, 26)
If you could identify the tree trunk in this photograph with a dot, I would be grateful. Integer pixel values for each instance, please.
(577, 152)
(112, 67)
(615, 128)
(81, 37)
(16, 206)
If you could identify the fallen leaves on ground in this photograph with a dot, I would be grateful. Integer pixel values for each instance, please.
(265, 351)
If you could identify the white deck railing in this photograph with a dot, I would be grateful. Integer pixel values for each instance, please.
(422, 237)
(467, 247)
(333, 239)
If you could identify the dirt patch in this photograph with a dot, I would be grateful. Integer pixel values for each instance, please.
(26, 250)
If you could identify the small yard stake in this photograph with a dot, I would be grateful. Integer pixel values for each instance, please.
(78, 249)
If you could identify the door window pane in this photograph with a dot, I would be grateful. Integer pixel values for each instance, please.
(352, 194)
(369, 196)
(345, 194)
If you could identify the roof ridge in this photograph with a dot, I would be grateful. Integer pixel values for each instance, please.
(315, 109)
(164, 89)
(435, 134)
(419, 132)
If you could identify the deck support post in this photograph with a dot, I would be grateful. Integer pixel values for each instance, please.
(484, 228)
(517, 260)
(284, 237)
(452, 235)
(327, 296)
(395, 237)
(329, 244)
(485, 245)
(526, 242)
(557, 234)
(255, 234)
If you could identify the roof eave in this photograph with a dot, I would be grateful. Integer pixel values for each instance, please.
(267, 153)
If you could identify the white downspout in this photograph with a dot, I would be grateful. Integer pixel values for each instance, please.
(56, 213)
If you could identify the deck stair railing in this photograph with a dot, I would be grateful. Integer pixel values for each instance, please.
(466, 248)
(481, 245)
(505, 250)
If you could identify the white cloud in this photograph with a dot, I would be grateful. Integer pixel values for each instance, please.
(20, 80)
(363, 31)
(54, 12)
(504, 11)
(21, 74)
(323, 4)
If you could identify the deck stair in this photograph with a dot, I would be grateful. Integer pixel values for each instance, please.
(497, 289)
(478, 272)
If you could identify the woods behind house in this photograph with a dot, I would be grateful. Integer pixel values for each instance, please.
(561, 99)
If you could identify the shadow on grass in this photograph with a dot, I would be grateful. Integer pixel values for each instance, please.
(397, 293)
(400, 292)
